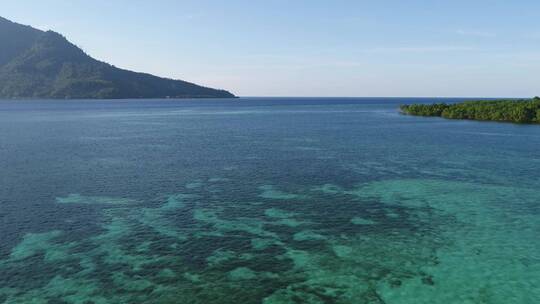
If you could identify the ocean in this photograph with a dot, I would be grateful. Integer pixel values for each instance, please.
(265, 200)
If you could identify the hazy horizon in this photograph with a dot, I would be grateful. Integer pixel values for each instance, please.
(310, 49)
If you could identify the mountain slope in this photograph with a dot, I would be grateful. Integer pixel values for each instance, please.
(37, 64)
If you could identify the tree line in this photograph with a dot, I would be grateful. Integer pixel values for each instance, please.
(517, 111)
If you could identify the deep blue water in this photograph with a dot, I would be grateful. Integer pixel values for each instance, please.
(264, 200)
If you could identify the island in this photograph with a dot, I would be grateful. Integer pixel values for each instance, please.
(44, 64)
(525, 111)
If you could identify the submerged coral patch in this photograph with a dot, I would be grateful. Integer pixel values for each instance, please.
(80, 199)
(362, 221)
(307, 235)
(270, 192)
(393, 241)
(33, 243)
(242, 273)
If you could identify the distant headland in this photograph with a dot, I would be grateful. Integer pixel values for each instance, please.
(38, 64)
(525, 111)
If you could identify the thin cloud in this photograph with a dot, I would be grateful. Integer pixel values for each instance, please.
(534, 36)
(420, 49)
(475, 33)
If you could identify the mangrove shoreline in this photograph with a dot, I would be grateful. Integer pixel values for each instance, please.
(524, 111)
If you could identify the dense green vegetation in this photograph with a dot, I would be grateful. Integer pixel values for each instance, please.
(37, 64)
(517, 111)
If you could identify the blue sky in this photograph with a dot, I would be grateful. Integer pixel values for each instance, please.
(310, 48)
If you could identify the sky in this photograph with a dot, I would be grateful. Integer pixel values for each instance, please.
(433, 48)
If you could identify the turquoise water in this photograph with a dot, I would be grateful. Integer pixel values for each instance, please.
(264, 201)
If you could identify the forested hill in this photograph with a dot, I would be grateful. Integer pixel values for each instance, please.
(38, 64)
(518, 111)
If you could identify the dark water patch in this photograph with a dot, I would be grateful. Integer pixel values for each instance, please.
(16, 275)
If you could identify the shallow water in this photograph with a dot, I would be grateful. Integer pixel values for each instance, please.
(264, 201)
